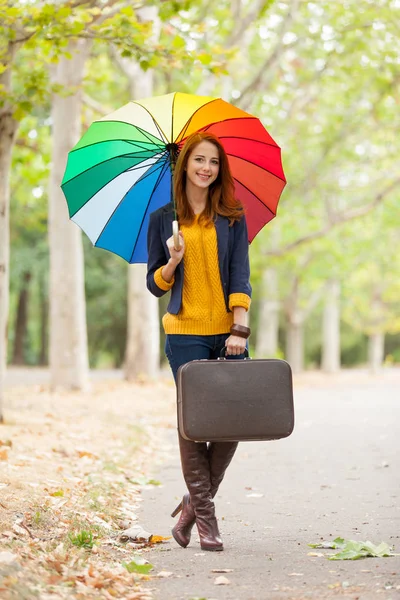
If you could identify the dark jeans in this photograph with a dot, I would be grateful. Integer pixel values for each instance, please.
(181, 349)
(217, 456)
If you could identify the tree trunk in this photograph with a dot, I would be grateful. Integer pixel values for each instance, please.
(331, 328)
(268, 325)
(142, 354)
(142, 358)
(68, 335)
(44, 319)
(8, 130)
(21, 321)
(376, 349)
(295, 345)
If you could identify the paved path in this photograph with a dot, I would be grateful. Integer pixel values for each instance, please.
(337, 475)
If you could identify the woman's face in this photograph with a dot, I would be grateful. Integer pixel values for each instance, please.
(203, 165)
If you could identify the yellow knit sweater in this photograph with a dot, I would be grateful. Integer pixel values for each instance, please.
(203, 310)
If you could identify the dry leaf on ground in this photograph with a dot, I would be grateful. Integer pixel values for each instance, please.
(135, 533)
(221, 570)
(4, 454)
(158, 539)
(222, 581)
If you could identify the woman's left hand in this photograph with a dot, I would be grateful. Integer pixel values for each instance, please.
(235, 345)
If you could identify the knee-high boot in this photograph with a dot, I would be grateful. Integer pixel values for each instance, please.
(196, 472)
(219, 456)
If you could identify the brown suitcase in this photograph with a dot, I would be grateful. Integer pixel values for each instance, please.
(235, 400)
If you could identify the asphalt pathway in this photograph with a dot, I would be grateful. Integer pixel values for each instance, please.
(337, 475)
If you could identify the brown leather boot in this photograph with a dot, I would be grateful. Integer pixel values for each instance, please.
(196, 472)
(183, 529)
(220, 455)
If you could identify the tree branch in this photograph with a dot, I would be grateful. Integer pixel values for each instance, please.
(339, 219)
(272, 58)
(22, 143)
(95, 106)
(243, 23)
(343, 131)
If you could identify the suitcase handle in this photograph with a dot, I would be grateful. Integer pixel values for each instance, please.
(222, 354)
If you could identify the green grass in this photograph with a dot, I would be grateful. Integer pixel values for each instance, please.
(83, 539)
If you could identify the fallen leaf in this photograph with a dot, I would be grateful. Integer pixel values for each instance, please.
(83, 453)
(136, 533)
(124, 524)
(221, 581)
(157, 539)
(19, 530)
(352, 550)
(8, 534)
(221, 570)
(54, 579)
(138, 565)
(4, 454)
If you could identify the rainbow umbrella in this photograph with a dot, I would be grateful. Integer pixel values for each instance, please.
(121, 169)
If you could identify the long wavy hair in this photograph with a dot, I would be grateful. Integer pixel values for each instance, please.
(221, 194)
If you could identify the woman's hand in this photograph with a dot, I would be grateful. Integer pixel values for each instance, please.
(235, 345)
(176, 255)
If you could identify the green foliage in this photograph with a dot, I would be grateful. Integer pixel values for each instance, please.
(106, 288)
(35, 35)
(82, 539)
(322, 79)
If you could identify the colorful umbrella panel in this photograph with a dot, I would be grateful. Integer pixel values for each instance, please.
(120, 170)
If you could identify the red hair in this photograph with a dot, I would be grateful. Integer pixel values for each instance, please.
(221, 195)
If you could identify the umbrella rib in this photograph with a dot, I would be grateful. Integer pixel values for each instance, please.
(172, 119)
(255, 196)
(146, 134)
(241, 137)
(159, 164)
(103, 186)
(215, 122)
(161, 175)
(160, 131)
(103, 163)
(256, 165)
(143, 131)
(132, 142)
(182, 132)
(116, 208)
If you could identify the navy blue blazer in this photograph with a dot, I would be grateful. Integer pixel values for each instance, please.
(233, 256)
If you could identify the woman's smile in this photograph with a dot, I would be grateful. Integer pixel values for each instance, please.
(203, 177)
(203, 165)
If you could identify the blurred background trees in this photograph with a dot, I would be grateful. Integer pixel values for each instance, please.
(323, 78)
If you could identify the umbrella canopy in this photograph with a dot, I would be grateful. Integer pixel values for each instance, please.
(121, 169)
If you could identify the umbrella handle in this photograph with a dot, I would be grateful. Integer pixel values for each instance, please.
(175, 233)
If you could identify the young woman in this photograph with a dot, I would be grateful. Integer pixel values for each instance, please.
(210, 296)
